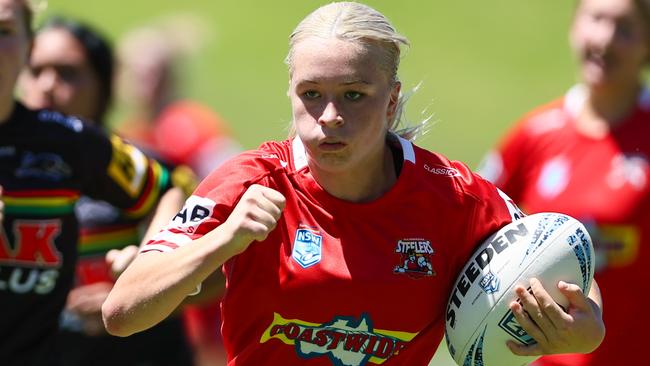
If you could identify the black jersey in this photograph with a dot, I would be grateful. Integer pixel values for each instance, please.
(47, 161)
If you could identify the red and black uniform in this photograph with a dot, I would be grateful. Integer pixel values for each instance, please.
(323, 288)
(47, 161)
(546, 164)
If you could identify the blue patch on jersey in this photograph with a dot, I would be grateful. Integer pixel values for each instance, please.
(307, 247)
(47, 166)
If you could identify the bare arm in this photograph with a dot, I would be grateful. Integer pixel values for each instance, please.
(156, 283)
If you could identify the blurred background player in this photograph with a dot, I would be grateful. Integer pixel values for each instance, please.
(47, 161)
(586, 155)
(71, 70)
(149, 86)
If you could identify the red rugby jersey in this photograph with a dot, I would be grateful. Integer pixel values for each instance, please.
(341, 283)
(546, 164)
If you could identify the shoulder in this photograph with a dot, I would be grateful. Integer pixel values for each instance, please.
(554, 115)
(55, 121)
(452, 179)
(56, 124)
(249, 167)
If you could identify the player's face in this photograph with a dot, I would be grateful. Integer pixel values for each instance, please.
(59, 77)
(14, 46)
(611, 41)
(142, 80)
(341, 101)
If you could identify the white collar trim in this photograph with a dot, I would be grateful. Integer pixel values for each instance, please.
(300, 156)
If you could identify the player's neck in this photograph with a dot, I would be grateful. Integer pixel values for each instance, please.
(605, 108)
(364, 184)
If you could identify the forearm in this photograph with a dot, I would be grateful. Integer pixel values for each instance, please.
(156, 283)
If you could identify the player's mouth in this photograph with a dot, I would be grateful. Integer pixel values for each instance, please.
(598, 59)
(331, 145)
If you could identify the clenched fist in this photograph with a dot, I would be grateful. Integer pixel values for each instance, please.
(254, 217)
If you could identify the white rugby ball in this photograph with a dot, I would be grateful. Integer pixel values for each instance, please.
(547, 246)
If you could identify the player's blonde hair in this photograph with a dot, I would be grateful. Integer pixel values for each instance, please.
(355, 22)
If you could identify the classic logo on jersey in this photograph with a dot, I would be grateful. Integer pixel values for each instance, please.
(344, 340)
(43, 166)
(33, 261)
(307, 247)
(442, 170)
(415, 258)
(128, 166)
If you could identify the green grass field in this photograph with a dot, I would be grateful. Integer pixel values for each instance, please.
(482, 64)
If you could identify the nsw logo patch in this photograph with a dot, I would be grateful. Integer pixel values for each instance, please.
(307, 247)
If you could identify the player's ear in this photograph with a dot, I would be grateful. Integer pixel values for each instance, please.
(393, 102)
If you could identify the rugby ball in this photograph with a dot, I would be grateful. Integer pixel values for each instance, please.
(548, 246)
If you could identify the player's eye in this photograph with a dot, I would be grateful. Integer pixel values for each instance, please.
(68, 73)
(34, 71)
(353, 95)
(6, 30)
(311, 94)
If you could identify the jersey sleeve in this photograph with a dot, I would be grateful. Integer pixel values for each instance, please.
(487, 209)
(213, 201)
(120, 174)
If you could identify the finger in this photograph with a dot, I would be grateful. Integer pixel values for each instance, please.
(111, 255)
(274, 196)
(532, 307)
(123, 258)
(89, 298)
(526, 323)
(554, 312)
(264, 217)
(575, 295)
(524, 350)
(270, 207)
